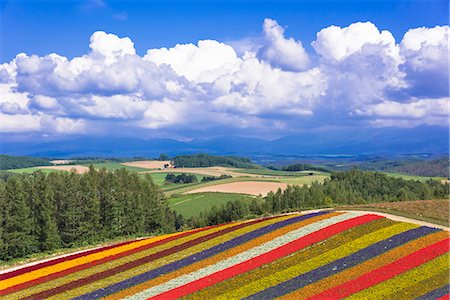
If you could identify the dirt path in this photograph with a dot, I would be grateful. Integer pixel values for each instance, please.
(388, 216)
(401, 219)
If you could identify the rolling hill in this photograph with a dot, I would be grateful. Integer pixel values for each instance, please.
(320, 255)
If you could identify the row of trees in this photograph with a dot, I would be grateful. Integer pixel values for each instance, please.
(182, 178)
(8, 162)
(304, 167)
(206, 160)
(41, 212)
(213, 178)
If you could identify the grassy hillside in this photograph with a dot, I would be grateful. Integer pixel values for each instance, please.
(324, 255)
(414, 177)
(192, 204)
(8, 162)
(111, 166)
(433, 211)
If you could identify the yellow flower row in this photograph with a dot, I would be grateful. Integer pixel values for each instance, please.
(303, 255)
(165, 260)
(367, 266)
(388, 288)
(260, 284)
(220, 256)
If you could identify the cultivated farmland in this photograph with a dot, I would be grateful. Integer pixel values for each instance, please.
(322, 255)
(245, 187)
(79, 169)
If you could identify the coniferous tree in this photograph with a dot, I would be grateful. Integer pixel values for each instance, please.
(70, 210)
(42, 203)
(90, 203)
(18, 224)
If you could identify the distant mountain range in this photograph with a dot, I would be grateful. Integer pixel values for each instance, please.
(433, 140)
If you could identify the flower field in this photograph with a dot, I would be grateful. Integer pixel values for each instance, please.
(324, 255)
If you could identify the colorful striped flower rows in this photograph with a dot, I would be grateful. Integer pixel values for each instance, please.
(324, 255)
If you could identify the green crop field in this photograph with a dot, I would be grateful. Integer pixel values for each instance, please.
(192, 204)
(269, 172)
(111, 166)
(301, 180)
(30, 170)
(414, 177)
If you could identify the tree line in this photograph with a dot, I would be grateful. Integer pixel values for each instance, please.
(8, 162)
(42, 212)
(206, 160)
(304, 167)
(181, 178)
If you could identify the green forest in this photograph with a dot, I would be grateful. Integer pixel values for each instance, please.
(304, 167)
(8, 162)
(41, 212)
(206, 160)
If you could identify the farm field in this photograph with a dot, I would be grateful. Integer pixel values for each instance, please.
(190, 205)
(245, 187)
(112, 166)
(269, 172)
(78, 168)
(323, 255)
(28, 170)
(209, 171)
(434, 211)
(147, 164)
(414, 177)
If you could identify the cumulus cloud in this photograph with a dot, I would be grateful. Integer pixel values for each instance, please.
(336, 43)
(359, 75)
(426, 60)
(204, 62)
(287, 54)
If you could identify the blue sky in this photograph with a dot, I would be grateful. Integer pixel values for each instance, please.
(41, 27)
(204, 68)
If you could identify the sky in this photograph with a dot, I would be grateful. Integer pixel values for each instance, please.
(189, 69)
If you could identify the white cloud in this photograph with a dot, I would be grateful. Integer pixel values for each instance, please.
(412, 113)
(427, 60)
(111, 46)
(274, 85)
(204, 62)
(287, 54)
(336, 43)
(24, 123)
(259, 88)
